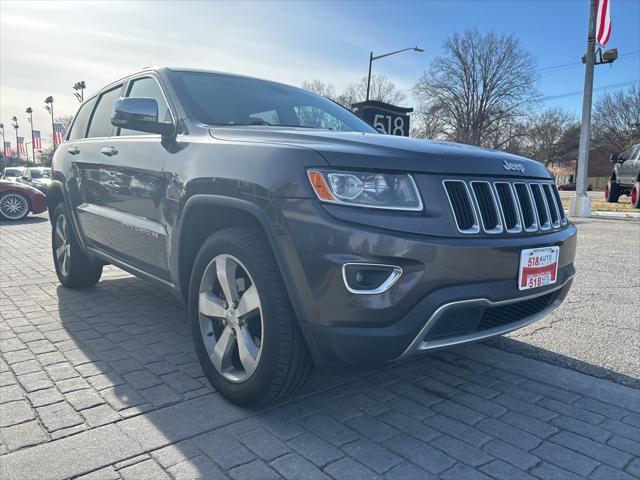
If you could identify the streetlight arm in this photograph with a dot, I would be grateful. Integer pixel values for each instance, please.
(397, 51)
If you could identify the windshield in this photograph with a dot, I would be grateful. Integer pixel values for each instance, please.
(12, 172)
(40, 173)
(219, 99)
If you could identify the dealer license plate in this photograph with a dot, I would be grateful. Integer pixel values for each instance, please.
(538, 267)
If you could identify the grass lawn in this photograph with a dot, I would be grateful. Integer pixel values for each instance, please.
(601, 205)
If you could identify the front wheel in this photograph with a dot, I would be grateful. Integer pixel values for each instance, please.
(13, 206)
(612, 191)
(73, 267)
(245, 333)
(635, 195)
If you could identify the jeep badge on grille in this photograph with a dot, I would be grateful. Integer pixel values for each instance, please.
(513, 166)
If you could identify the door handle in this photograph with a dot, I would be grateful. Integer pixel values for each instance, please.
(74, 150)
(109, 151)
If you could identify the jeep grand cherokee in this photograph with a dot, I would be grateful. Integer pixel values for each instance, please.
(295, 232)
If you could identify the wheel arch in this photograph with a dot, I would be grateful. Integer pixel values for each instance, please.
(54, 197)
(198, 223)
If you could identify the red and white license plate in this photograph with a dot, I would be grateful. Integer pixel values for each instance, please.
(538, 267)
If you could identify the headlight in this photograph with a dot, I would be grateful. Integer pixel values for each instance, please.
(366, 189)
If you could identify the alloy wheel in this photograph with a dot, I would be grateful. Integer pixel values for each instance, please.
(14, 206)
(62, 245)
(230, 315)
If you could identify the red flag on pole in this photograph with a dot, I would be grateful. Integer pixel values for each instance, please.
(603, 22)
(7, 149)
(58, 133)
(37, 140)
(21, 149)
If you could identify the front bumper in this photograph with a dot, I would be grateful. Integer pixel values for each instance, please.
(441, 275)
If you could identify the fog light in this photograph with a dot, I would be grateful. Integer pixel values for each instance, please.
(369, 278)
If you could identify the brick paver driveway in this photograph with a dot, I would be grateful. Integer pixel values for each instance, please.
(104, 384)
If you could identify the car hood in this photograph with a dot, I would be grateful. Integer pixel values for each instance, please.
(377, 151)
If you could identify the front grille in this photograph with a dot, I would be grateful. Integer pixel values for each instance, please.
(466, 321)
(541, 206)
(488, 207)
(460, 200)
(504, 206)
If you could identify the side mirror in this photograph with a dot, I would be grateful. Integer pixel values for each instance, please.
(140, 114)
(615, 158)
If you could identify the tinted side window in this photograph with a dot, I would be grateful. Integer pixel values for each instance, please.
(79, 127)
(148, 87)
(101, 119)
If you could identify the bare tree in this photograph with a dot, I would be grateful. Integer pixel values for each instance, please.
(547, 136)
(482, 83)
(65, 120)
(616, 117)
(320, 88)
(382, 89)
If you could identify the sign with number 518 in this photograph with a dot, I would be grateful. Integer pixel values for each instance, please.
(384, 117)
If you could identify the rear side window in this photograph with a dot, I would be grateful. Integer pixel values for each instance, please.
(81, 120)
(101, 119)
(148, 87)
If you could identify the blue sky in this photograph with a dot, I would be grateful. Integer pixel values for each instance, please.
(45, 47)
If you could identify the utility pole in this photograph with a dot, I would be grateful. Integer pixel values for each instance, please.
(580, 205)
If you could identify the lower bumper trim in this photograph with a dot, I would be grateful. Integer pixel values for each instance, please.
(429, 339)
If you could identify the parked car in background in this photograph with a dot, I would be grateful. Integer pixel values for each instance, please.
(12, 173)
(17, 200)
(296, 233)
(625, 178)
(571, 187)
(36, 177)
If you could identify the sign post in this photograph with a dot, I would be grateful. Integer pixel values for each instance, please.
(384, 117)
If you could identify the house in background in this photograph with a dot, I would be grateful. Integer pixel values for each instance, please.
(599, 168)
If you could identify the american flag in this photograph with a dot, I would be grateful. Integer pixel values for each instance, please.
(37, 140)
(603, 22)
(21, 148)
(7, 149)
(58, 133)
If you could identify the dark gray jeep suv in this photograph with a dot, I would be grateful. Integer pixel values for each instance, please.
(298, 234)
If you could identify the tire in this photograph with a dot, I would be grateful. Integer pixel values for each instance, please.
(281, 363)
(14, 206)
(635, 195)
(78, 270)
(612, 191)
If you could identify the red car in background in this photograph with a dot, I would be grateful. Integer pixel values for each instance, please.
(17, 200)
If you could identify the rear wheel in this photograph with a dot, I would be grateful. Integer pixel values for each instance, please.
(73, 267)
(245, 333)
(635, 195)
(13, 206)
(612, 191)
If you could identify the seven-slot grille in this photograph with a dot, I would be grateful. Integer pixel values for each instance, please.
(496, 207)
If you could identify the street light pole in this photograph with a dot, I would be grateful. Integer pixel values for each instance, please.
(580, 205)
(16, 126)
(49, 107)
(29, 110)
(79, 87)
(372, 58)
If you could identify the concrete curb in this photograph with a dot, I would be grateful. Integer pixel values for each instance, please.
(613, 215)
